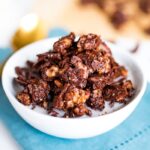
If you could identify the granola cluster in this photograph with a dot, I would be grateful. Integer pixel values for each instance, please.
(74, 77)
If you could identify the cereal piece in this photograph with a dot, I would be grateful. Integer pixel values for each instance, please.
(82, 69)
(24, 98)
(101, 66)
(51, 56)
(115, 93)
(96, 100)
(88, 42)
(21, 80)
(118, 92)
(99, 82)
(129, 87)
(96, 61)
(53, 113)
(20, 71)
(58, 99)
(77, 74)
(105, 49)
(71, 97)
(118, 73)
(64, 43)
(25, 74)
(38, 90)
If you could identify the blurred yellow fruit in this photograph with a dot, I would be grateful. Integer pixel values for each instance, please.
(1, 68)
(31, 29)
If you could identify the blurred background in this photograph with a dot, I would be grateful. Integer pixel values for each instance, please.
(109, 18)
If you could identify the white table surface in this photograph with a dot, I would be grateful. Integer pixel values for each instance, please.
(6, 140)
(10, 13)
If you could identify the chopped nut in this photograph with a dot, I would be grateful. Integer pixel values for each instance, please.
(45, 104)
(80, 110)
(58, 83)
(71, 97)
(77, 96)
(24, 98)
(52, 71)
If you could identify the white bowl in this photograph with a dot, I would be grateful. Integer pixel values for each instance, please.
(70, 127)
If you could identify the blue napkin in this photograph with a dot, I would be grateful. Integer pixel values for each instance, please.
(4, 54)
(132, 134)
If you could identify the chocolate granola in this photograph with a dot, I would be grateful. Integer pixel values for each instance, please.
(75, 77)
(122, 13)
